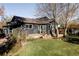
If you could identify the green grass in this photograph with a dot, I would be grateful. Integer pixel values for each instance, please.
(52, 47)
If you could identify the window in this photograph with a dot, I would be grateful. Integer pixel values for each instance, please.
(29, 26)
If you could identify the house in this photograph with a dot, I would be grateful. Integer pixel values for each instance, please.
(31, 26)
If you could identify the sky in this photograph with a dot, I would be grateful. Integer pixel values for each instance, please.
(20, 9)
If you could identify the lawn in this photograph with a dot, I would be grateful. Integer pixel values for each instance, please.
(53, 47)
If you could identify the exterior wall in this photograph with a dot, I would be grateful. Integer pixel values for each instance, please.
(36, 29)
(6, 31)
(39, 28)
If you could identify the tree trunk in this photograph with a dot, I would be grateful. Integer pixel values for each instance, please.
(65, 30)
(57, 32)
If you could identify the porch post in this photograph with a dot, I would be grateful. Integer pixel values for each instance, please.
(39, 28)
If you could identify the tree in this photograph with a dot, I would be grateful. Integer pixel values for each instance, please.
(51, 11)
(61, 13)
(67, 14)
(8, 18)
(2, 12)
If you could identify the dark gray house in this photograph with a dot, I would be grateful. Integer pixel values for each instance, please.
(31, 26)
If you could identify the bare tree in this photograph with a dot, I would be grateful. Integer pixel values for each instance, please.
(2, 9)
(67, 13)
(61, 13)
(51, 11)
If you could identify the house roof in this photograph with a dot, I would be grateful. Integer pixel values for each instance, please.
(43, 20)
(18, 21)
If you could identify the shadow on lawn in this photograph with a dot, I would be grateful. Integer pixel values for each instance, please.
(6, 48)
(72, 40)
